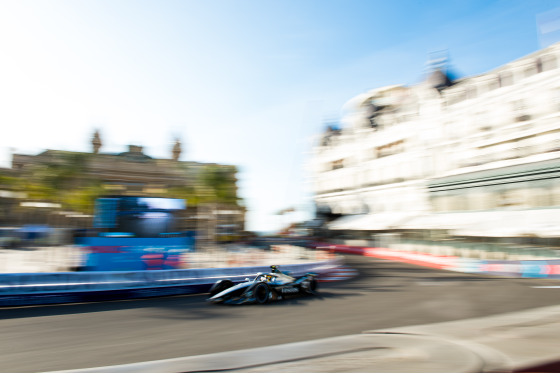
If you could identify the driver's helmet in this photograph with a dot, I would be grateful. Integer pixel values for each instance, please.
(274, 269)
(269, 278)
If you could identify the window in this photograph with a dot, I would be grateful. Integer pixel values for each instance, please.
(555, 99)
(519, 109)
(541, 197)
(338, 164)
(456, 97)
(493, 84)
(548, 62)
(390, 149)
(519, 105)
(555, 192)
(471, 92)
(506, 79)
(459, 202)
(530, 70)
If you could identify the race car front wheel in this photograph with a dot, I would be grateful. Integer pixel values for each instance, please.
(261, 293)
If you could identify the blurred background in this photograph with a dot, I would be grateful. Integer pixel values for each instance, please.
(414, 126)
(215, 137)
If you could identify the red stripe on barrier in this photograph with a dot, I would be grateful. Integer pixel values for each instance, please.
(421, 259)
(342, 248)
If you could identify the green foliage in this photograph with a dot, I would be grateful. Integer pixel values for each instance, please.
(6, 180)
(186, 193)
(63, 179)
(83, 199)
(212, 184)
(65, 171)
(218, 184)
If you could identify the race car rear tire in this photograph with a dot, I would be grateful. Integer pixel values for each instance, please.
(312, 286)
(261, 293)
(219, 286)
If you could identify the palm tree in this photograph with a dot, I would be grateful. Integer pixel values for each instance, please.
(63, 180)
(219, 185)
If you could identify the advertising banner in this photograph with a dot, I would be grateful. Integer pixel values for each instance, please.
(134, 254)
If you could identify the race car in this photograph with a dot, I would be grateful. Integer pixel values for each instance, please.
(265, 287)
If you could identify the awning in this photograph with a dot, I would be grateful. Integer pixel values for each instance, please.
(374, 222)
(444, 221)
(345, 222)
(500, 223)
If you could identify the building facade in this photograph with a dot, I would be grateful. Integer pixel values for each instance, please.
(58, 188)
(430, 156)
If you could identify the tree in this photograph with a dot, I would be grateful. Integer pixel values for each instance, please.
(218, 184)
(62, 179)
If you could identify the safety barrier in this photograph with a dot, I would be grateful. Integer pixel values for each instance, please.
(49, 288)
(518, 269)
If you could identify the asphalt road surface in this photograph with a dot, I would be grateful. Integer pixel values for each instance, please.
(385, 294)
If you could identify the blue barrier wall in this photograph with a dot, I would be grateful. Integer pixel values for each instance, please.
(54, 288)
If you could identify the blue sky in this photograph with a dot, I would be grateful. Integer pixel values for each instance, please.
(240, 82)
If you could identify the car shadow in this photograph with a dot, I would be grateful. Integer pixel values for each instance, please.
(192, 306)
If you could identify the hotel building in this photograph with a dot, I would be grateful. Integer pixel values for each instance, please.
(473, 159)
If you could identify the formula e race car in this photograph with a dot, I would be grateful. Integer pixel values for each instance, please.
(265, 287)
